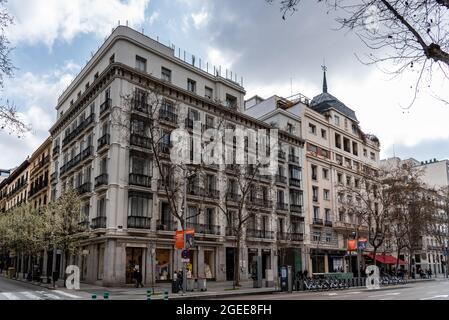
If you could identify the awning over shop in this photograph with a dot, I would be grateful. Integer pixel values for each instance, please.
(386, 259)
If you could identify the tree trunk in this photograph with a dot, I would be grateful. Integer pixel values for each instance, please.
(237, 262)
(375, 255)
(397, 260)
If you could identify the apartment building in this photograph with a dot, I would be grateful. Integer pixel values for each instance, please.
(336, 151)
(125, 203)
(435, 174)
(39, 175)
(14, 189)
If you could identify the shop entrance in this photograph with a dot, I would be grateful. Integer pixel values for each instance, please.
(133, 260)
(230, 253)
(163, 264)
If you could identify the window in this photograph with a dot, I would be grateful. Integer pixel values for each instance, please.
(326, 174)
(191, 85)
(327, 214)
(101, 207)
(96, 76)
(326, 194)
(316, 235)
(337, 120)
(280, 196)
(316, 212)
(87, 85)
(295, 172)
(112, 59)
(315, 194)
(346, 145)
(323, 134)
(231, 101)
(355, 129)
(373, 156)
(339, 177)
(208, 93)
(140, 165)
(339, 159)
(166, 74)
(141, 64)
(290, 128)
(337, 141)
(314, 172)
(139, 206)
(355, 148)
(104, 165)
(312, 128)
(365, 153)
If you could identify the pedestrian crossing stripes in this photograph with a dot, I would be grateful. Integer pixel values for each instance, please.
(38, 295)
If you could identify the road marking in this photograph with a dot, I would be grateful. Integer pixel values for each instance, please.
(386, 294)
(49, 295)
(67, 294)
(30, 295)
(332, 294)
(355, 292)
(436, 297)
(10, 296)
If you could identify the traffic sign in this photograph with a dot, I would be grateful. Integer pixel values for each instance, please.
(185, 260)
(185, 254)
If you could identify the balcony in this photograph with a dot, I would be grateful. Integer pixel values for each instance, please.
(212, 193)
(291, 236)
(204, 228)
(101, 180)
(295, 182)
(261, 202)
(88, 152)
(105, 106)
(281, 179)
(56, 150)
(318, 221)
(260, 234)
(36, 187)
(162, 184)
(234, 197)
(83, 125)
(296, 208)
(293, 158)
(138, 222)
(282, 206)
(103, 141)
(84, 188)
(54, 177)
(195, 190)
(140, 106)
(434, 248)
(141, 180)
(138, 140)
(328, 223)
(230, 232)
(164, 148)
(168, 117)
(281, 155)
(166, 225)
(98, 223)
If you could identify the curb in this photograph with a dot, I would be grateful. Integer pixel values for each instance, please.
(219, 295)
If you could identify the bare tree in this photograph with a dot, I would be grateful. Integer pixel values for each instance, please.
(410, 34)
(9, 118)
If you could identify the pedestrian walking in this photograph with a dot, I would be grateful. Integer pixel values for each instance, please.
(180, 280)
(430, 273)
(138, 277)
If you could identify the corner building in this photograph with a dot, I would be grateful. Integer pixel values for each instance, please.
(123, 202)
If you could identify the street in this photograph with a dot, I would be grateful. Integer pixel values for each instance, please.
(18, 290)
(425, 290)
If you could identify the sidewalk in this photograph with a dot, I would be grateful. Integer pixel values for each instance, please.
(214, 289)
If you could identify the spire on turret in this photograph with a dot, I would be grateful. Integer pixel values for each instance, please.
(324, 78)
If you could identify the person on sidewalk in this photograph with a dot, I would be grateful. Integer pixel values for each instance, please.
(180, 280)
(138, 277)
(2, 265)
(430, 273)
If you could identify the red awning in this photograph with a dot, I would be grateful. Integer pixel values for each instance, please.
(386, 259)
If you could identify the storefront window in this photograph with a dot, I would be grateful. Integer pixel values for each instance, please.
(163, 264)
(209, 264)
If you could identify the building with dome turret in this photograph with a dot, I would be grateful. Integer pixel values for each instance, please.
(335, 152)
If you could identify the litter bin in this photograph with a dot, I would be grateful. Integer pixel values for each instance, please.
(11, 272)
(201, 284)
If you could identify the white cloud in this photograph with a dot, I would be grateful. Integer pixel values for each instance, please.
(154, 16)
(200, 19)
(48, 20)
(36, 97)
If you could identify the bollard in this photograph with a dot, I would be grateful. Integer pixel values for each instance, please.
(148, 294)
(94, 296)
(166, 295)
(106, 295)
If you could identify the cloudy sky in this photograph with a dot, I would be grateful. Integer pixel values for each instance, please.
(53, 39)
